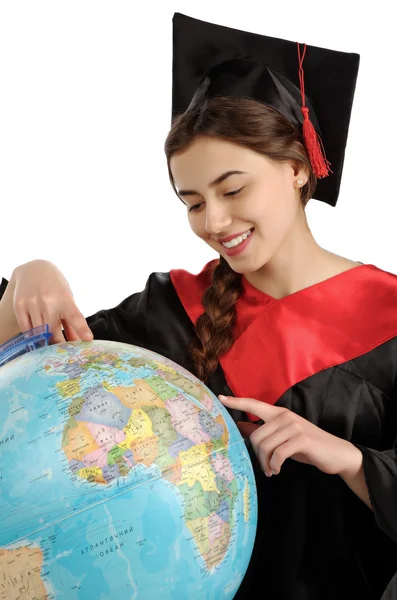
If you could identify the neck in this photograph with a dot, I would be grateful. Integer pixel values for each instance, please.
(299, 263)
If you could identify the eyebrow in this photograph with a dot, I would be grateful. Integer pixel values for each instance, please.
(216, 181)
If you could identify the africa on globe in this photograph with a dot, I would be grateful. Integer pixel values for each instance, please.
(121, 477)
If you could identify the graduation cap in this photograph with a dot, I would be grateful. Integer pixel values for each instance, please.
(312, 87)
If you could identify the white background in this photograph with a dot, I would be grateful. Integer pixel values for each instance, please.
(85, 105)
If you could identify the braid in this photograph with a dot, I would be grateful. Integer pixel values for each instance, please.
(214, 326)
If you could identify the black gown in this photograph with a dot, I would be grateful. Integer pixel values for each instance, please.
(316, 539)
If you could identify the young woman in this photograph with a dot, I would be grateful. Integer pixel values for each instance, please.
(301, 343)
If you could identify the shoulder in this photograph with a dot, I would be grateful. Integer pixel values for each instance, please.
(374, 302)
(385, 280)
(181, 280)
(190, 288)
(372, 294)
(377, 367)
(181, 277)
(179, 288)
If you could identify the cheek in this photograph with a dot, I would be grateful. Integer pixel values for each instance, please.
(196, 223)
(279, 211)
(268, 198)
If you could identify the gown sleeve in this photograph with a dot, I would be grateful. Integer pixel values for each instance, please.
(127, 322)
(380, 469)
(154, 319)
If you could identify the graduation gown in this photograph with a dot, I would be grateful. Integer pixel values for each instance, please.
(328, 353)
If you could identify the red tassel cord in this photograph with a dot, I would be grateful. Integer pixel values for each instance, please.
(314, 146)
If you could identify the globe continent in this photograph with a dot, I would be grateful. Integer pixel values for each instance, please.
(121, 477)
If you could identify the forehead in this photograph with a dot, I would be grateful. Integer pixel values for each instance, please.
(207, 158)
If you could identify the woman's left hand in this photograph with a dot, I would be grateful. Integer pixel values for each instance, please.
(287, 435)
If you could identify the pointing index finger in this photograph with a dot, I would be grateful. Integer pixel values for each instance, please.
(262, 410)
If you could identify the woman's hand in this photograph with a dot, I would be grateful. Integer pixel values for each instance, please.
(41, 295)
(287, 435)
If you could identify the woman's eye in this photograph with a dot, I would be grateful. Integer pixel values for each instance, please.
(234, 192)
(195, 207)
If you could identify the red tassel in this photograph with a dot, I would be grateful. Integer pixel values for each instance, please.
(314, 146)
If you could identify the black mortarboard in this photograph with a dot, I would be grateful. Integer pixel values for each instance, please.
(210, 60)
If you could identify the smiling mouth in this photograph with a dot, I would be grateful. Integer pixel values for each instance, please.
(237, 240)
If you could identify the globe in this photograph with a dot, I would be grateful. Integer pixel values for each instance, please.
(122, 476)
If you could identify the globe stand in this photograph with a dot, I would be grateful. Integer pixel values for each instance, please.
(38, 337)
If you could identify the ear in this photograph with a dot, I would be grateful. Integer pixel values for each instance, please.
(300, 170)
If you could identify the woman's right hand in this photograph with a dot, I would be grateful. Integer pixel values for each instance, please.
(43, 296)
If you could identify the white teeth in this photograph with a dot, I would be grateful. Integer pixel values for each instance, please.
(237, 240)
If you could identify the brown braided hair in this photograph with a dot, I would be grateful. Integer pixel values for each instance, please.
(262, 129)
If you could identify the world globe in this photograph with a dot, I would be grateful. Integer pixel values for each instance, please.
(121, 477)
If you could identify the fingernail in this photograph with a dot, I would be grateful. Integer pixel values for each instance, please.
(221, 397)
(268, 474)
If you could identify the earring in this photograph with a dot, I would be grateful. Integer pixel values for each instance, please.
(300, 181)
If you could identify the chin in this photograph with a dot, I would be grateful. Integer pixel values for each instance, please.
(245, 267)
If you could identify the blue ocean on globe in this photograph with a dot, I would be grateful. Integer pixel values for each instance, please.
(122, 477)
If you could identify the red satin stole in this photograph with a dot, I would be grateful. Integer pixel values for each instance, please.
(279, 343)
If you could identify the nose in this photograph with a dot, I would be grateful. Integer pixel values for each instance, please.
(217, 218)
